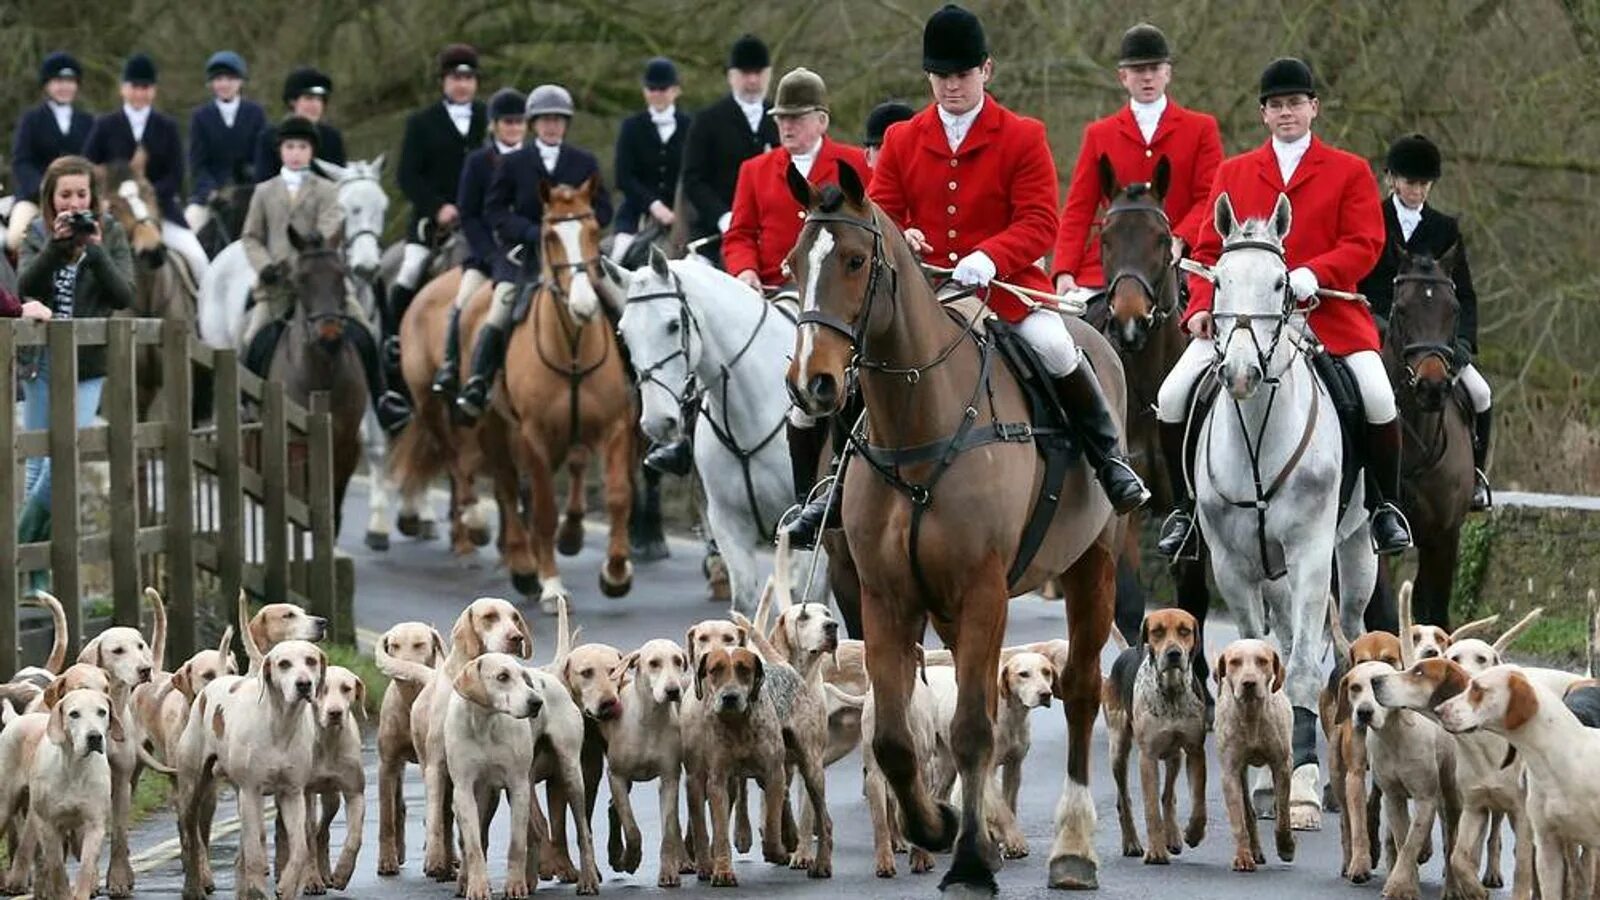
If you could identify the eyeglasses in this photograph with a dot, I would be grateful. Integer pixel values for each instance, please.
(1278, 104)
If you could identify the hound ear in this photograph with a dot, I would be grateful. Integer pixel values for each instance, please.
(850, 182)
(182, 683)
(631, 661)
(760, 676)
(1523, 704)
(1108, 178)
(438, 647)
(527, 636)
(469, 683)
(361, 695)
(700, 676)
(57, 729)
(1144, 631)
(464, 637)
(52, 693)
(1162, 180)
(658, 263)
(1222, 218)
(688, 642)
(1282, 217)
(1341, 713)
(799, 188)
(1278, 673)
(1219, 672)
(91, 654)
(780, 637)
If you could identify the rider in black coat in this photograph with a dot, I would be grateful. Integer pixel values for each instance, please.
(650, 155)
(305, 93)
(53, 129)
(722, 136)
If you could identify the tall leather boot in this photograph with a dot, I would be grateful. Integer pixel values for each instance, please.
(399, 301)
(677, 457)
(805, 458)
(1178, 527)
(1080, 396)
(1391, 533)
(392, 408)
(447, 381)
(1482, 496)
(486, 360)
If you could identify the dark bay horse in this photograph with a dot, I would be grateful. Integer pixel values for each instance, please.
(941, 552)
(1141, 319)
(228, 206)
(1436, 472)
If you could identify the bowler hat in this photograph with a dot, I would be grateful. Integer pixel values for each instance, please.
(953, 41)
(1286, 76)
(660, 73)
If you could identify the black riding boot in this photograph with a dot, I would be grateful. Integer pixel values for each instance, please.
(805, 458)
(447, 382)
(676, 458)
(1178, 527)
(1391, 533)
(391, 407)
(486, 361)
(1482, 496)
(399, 301)
(1080, 396)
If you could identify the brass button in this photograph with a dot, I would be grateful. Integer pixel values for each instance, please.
(950, 234)
(952, 162)
(1148, 153)
(801, 214)
(950, 209)
(952, 185)
(952, 257)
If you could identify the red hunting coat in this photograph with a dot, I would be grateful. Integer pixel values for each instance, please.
(1192, 145)
(996, 193)
(766, 219)
(1336, 231)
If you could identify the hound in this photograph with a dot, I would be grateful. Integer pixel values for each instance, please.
(406, 653)
(643, 743)
(880, 800)
(585, 673)
(1254, 726)
(1432, 641)
(1347, 750)
(700, 638)
(28, 683)
(1027, 682)
(274, 623)
(337, 774)
(162, 706)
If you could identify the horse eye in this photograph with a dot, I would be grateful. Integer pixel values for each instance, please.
(673, 327)
(1278, 284)
(856, 262)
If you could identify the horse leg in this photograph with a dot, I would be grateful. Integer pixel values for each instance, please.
(379, 487)
(1436, 569)
(1090, 590)
(1357, 568)
(515, 538)
(570, 541)
(616, 576)
(542, 506)
(1130, 594)
(845, 582)
(1300, 602)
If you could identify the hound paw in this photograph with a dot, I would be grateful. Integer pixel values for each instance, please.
(884, 866)
(820, 868)
(1195, 833)
(1286, 845)
(516, 888)
(801, 859)
(920, 860)
(669, 877)
(1131, 847)
(724, 877)
(1157, 856)
(1493, 880)
(1244, 860)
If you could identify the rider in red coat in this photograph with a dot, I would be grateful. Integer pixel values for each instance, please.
(1336, 237)
(1134, 138)
(974, 187)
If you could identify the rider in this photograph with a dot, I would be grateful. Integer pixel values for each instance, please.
(974, 186)
(299, 198)
(1336, 238)
(878, 121)
(1151, 126)
(222, 135)
(516, 213)
(509, 126)
(52, 129)
(117, 136)
(722, 136)
(305, 93)
(649, 155)
(1412, 166)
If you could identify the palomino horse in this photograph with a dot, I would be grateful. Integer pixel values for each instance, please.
(564, 395)
(1267, 477)
(314, 355)
(685, 323)
(1436, 480)
(934, 534)
(1142, 321)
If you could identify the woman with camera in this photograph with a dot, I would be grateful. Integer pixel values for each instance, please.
(76, 263)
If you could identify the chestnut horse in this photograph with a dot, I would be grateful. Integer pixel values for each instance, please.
(937, 542)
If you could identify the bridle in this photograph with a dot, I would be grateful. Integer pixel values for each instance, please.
(351, 237)
(1414, 353)
(1286, 309)
(338, 312)
(1162, 303)
(589, 264)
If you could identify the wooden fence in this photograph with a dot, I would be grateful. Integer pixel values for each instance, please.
(199, 511)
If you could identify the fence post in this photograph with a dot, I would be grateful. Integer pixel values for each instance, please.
(8, 500)
(64, 478)
(230, 482)
(121, 416)
(178, 476)
(319, 501)
(274, 489)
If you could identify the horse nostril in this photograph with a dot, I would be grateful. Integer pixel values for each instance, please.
(823, 389)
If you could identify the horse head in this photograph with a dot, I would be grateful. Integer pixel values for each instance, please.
(571, 246)
(319, 288)
(1136, 255)
(132, 202)
(365, 204)
(1252, 305)
(1422, 325)
(663, 339)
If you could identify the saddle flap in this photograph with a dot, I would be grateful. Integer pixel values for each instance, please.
(522, 300)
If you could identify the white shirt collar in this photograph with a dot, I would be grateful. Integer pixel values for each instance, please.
(503, 149)
(1148, 115)
(549, 153)
(63, 114)
(293, 178)
(804, 161)
(229, 110)
(460, 115)
(1289, 154)
(137, 120)
(956, 127)
(1409, 218)
(752, 111)
(666, 122)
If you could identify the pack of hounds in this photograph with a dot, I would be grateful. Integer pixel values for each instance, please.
(1427, 725)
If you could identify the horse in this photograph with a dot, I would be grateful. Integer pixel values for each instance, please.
(314, 354)
(228, 206)
(933, 529)
(1436, 469)
(1267, 478)
(564, 394)
(684, 323)
(1141, 319)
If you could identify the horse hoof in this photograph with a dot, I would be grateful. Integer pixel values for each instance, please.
(1074, 873)
(410, 524)
(652, 550)
(428, 531)
(526, 584)
(378, 541)
(963, 891)
(569, 542)
(617, 586)
(479, 536)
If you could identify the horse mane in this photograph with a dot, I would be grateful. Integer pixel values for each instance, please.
(1137, 192)
(1255, 230)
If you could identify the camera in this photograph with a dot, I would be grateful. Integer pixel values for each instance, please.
(83, 222)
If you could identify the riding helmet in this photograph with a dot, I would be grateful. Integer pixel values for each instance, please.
(303, 81)
(226, 62)
(953, 41)
(660, 73)
(1285, 76)
(1415, 157)
(59, 65)
(800, 91)
(549, 100)
(507, 103)
(1142, 45)
(458, 59)
(882, 116)
(140, 69)
(749, 54)
(298, 128)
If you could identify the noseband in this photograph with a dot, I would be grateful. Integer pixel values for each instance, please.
(1162, 304)
(1414, 353)
(1245, 320)
(816, 315)
(686, 321)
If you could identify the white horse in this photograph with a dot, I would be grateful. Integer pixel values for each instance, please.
(1267, 478)
(684, 319)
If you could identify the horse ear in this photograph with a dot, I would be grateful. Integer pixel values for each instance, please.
(544, 191)
(590, 186)
(377, 164)
(140, 158)
(334, 170)
(613, 272)
(1108, 178)
(1282, 218)
(1448, 260)
(799, 187)
(1163, 178)
(658, 262)
(1222, 218)
(850, 182)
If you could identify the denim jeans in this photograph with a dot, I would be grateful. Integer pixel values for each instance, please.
(36, 417)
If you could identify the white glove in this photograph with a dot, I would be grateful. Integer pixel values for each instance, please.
(1303, 283)
(974, 269)
(723, 221)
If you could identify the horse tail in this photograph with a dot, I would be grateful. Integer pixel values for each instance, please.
(421, 452)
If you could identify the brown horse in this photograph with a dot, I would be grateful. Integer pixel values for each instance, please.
(934, 534)
(1141, 319)
(564, 395)
(1436, 475)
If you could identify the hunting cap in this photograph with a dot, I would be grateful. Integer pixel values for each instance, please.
(1415, 157)
(953, 41)
(306, 80)
(749, 54)
(458, 59)
(226, 62)
(660, 73)
(800, 91)
(298, 128)
(59, 65)
(507, 103)
(1285, 76)
(549, 100)
(139, 69)
(1142, 45)
(882, 116)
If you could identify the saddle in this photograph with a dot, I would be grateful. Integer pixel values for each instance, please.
(522, 300)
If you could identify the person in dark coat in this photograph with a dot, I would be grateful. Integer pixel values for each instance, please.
(649, 156)
(722, 136)
(878, 121)
(117, 136)
(52, 129)
(509, 126)
(516, 213)
(305, 93)
(1411, 167)
(222, 136)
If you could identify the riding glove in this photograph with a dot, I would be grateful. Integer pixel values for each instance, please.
(1303, 282)
(974, 269)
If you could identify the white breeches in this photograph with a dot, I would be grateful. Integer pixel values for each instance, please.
(505, 298)
(1377, 394)
(1476, 387)
(183, 242)
(1047, 334)
(1172, 401)
(197, 215)
(620, 242)
(412, 263)
(22, 215)
(471, 280)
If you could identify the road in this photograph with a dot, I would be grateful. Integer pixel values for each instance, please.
(420, 581)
